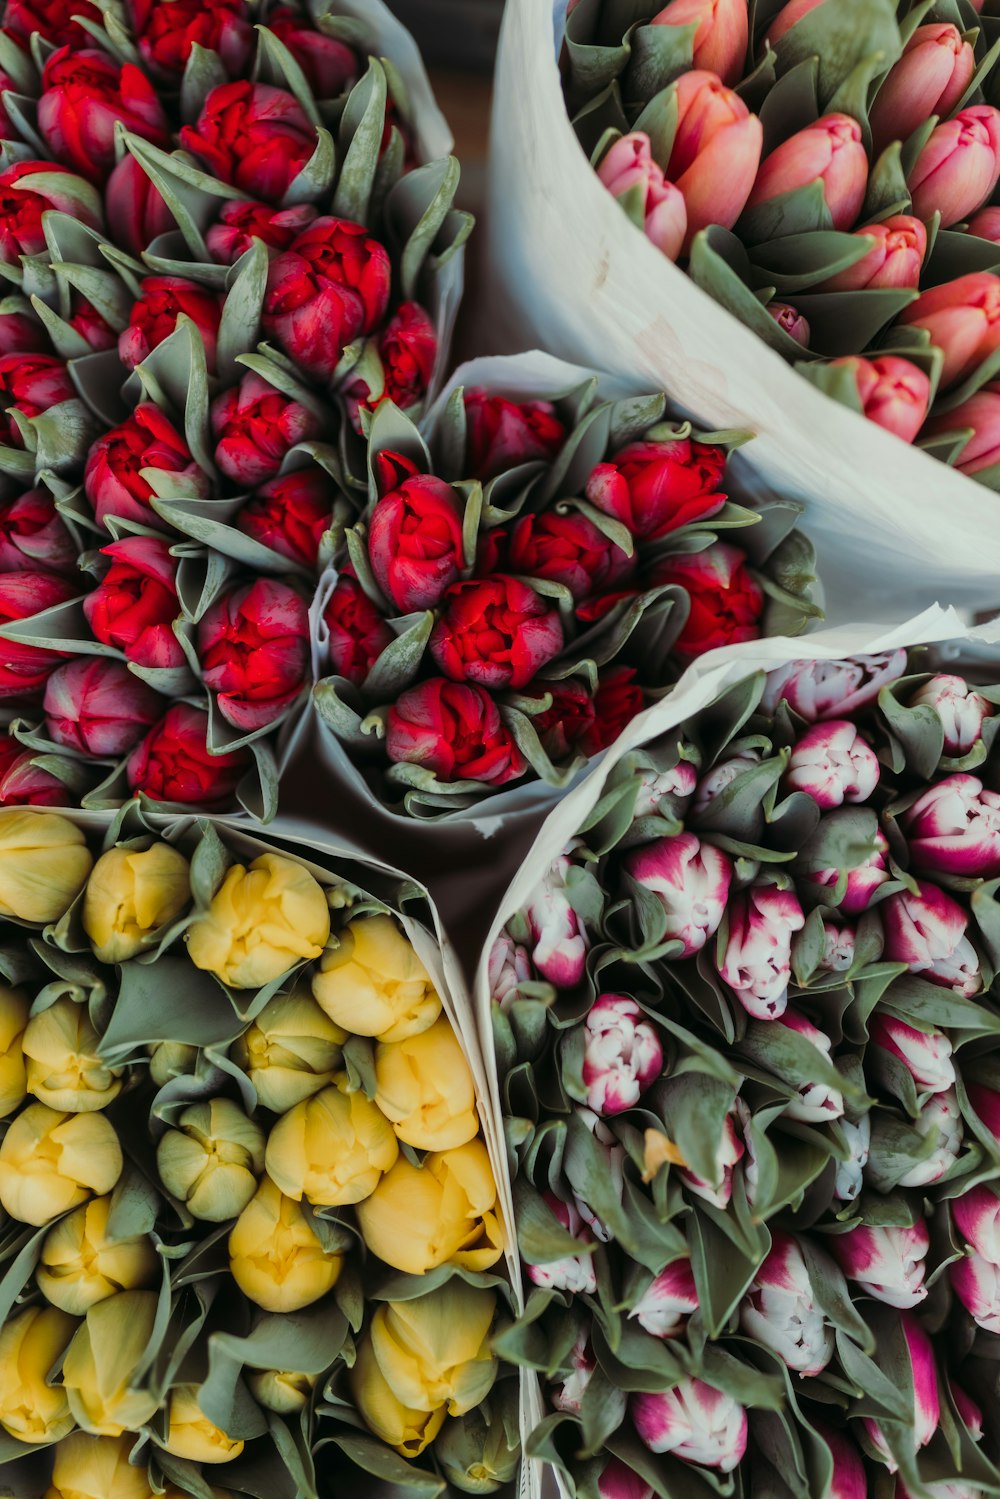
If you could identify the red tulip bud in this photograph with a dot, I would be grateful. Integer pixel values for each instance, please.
(167, 33)
(24, 669)
(727, 602)
(986, 224)
(85, 94)
(654, 488)
(31, 383)
(135, 604)
(894, 393)
(113, 477)
(255, 426)
(253, 645)
(90, 324)
(358, 633)
(25, 784)
(502, 434)
(788, 317)
(173, 763)
(27, 190)
(164, 300)
(254, 136)
(788, 16)
(981, 412)
(831, 152)
(454, 730)
(52, 19)
(330, 66)
(135, 209)
(415, 542)
(240, 223)
(617, 701)
(33, 535)
(497, 632)
(96, 706)
(290, 514)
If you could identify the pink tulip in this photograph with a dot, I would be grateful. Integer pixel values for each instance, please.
(926, 1055)
(887, 1263)
(675, 787)
(927, 933)
(969, 1411)
(574, 1272)
(618, 1481)
(730, 1149)
(926, 1401)
(893, 392)
(850, 1175)
(715, 781)
(560, 951)
(816, 1102)
(664, 1307)
(929, 79)
(976, 1283)
(791, 320)
(986, 224)
(894, 260)
(849, 1479)
(622, 1054)
(693, 1421)
(958, 168)
(861, 882)
(628, 165)
(568, 1395)
(838, 947)
(962, 318)
(832, 689)
(691, 880)
(716, 151)
(756, 963)
(833, 764)
(981, 412)
(960, 710)
(787, 17)
(720, 43)
(940, 1119)
(509, 966)
(780, 1310)
(96, 706)
(830, 152)
(977, 1217)
(954, 828)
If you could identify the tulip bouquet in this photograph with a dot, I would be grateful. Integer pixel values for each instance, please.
(747, 1037)
(525, 581)
(251, 1226)
(222, 253)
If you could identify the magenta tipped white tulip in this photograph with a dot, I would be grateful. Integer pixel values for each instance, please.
(833, 764)
(622, 1054)
(780, 1310)
(691, 880)
(757, 962)
(695, 1422)
(560, 951)
(954, 828)
(960, 709)
(927, 932)
(664, 1307)
(887, 1263)
(832, 689)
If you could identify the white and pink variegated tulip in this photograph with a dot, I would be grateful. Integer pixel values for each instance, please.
(613, 1154)
(939, 1119)
(560, 951)
(619, 1481)
(691, 880)
(622, 1054)
(839, 947)
(816, 1102)
(668, 1301)
(862, 881)
(850, 1175)
(780, 1310)
(887, 1263)
(927, 933)
(960, 709)
(926, 1055)
(832, 689)
(926, 1399)
(954, 1489)
(976, 1283)
(574, 1272)
(954, 828)
(695, 1422)
(757, 962)
(968, 1409)
(509, 967)
(977, 1217)
(833, 763)
(730, 1149)
(676, 785)
(567, 1395)
(715, 781)
(849, 1479)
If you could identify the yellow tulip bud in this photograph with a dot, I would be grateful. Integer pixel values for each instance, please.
(31, 1342)
(101, 1362)
(331, 1149)
(131, 894)
(212, 1160)
(192, 1435)
(374, 984)
(88, 1467)
(290, 1051)
(281, 1390)
(170, 1059)
(44, 864)
(80, 1265)
(425, 1087)
(274, 1255)
(408, 1431)
(264, 918)
(435, 1350)
(13, 1078)
(446, 1210)
(63, 1067)
(51, 1162)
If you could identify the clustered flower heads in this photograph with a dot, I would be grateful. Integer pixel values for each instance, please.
(828, 170)
(251, 1226)
(747, 1031)
(520, 588)
(222, 254)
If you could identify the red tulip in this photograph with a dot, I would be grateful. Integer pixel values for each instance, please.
(136, 210)
(894, 393)
(715, 154)
(85, 319)
(831, 152)
(986, 224)
(164, 300)
(330, 66)
(727, 602)
(52, 19)
(358, 633)
(415, 542)
(407, 347)
(33, 535)
(788, 16)
(501, 434)
(166, 34)
(981, 412)
(566, 548)
(85, 94)
(791, 320)
(654, 488)
(97, 707)
(255, 426)
(25, 784)
(253, 645)
(27, 190)
(113, 475)
(290, 514)
(254, 136)
(617, 701)
(24, 669)
(135, 604)
(497, 632)
(561, 727)
(173, 763)
(454, 730)
(240, 223)
(31, 384)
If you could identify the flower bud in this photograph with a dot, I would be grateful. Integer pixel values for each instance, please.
(424, 1087)
(407, 1430)
(976, 1215)
(118, 461)
(170, 1059)
(497, 632)
(131, 894)
(962, 318)
(331, 1149)
(173, 762)
(454, 730)
(162, 302)
(715, 781)
(98, 707)
(253, 135)
(31, 188)
(241, 222)
(290, 1051)
(981, 414)
(31, 1342)
(831, 152)
(930, 78)
(720, 41)
(922, 1421)
(435, 1350)
(976, 1283)
(628, 165)
(72, 1157)
(895, 259)
(568, 1396)
(101, 1362)
(622, 1055)
(940, 1120)
(833, 763)
(560, 950)
(893, 392)
(34, 535)
(691, 880)
(509, 967)
(443, 1212)
(81, 1263)
(927, 932)
(478, 1452)
(358, 632)
(373, 983)
(729, 1151)
(23, 780)
(212, 1159)
(887, 1263)
(839, 943)
(573, 1272)
(985, 224)
(757, 961)
(664, 1307)
(291, 514)
(958, 166)
(618, 1481)
(816, 1102)
(266, 917)
(86, 1467)
(274, 1255)
(715, 152)
(14, 1010)
(63, 1065)
(136, 210)
(191, 1435)
(502, 434)
(255, 426)
(415, 542)
(850, 1176)
(694, 1422)
(791, 321)
(954, 828)
(926, 1054)
(849, 1479)
(832, 689)
(31, 384)
(26, 668)
(253, 646)
(790, 13)
(135, 604)
(85, 95)
(654, 488)
(281, 1390)
(860, 882)
(725, 600)
(780, 1310)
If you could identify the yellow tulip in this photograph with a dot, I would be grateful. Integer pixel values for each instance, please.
(170, 1059)
(192, 1435)
(44, 864)
(435, 1350)
(425, 1087)
(264, 918)
(290, 1051)
(331, 1149)
(274, 1255)
(51, 1162)
(374, 984)
(80, 1265)
(87, 1467)
(131, 894)
(408, 1431)
(32, 1409)
(212, 1160)
(63, 1067)
(13, 1078)
(281, 1390)
(101, 1362)
(446, 1210)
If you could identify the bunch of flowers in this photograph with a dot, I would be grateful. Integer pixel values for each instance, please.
(519, 589)
(222, 254)
(251, 1227)
(747, 1032)
(826, 169)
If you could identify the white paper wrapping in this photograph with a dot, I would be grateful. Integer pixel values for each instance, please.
(568, 271)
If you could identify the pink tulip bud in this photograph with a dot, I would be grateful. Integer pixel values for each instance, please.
(575, 1272)
(560, 951)
(509, 966)
(926, 1400)
(628, 165)
(958, 168)
(940, 1120)
(622, 1054)
(675, 787)
(969, 1411)
(986, 1102)
(929, 79)
(894, 260)
(887, 1263)
(977, 1217)
(715, 781)
(780, 1310)
(927, 933)
(926, 1055)
(787, 17)
(960, 710)
(96, 706)
(986, 224)
(664, 1307)
(618, 1481)
(976, 1283)
(849, 1479)
(788, 317)
(716, 151)
(838, 947)
(831, 152)
(730, 1149)
(981, 413)
(816, 1102)
(954, 828)
(832, 689)
(695, 1422)
(893, 392)
(962, 318)
(568, 1395)
(851, 1172)
(720, 43)
(757, 960)
(833, 764)
(691, 880)
(861, 882)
